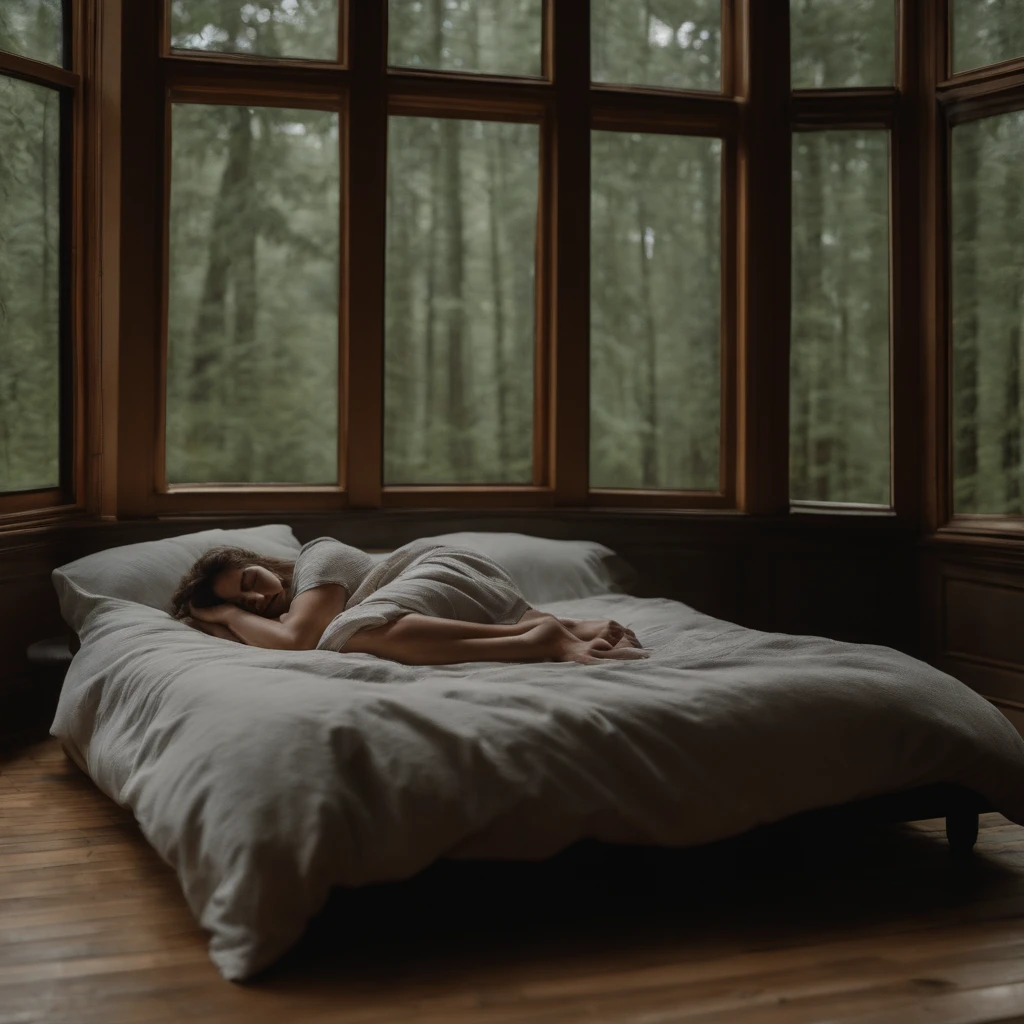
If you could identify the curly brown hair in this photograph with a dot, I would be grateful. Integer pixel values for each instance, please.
(196, 586)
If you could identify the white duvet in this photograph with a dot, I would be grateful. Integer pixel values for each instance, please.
(265, 778)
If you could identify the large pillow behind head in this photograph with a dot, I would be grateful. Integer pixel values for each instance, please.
(547, 570)
(148, 573)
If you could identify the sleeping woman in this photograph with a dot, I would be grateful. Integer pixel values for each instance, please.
(421, 605)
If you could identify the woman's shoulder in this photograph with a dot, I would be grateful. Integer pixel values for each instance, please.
(327, 560)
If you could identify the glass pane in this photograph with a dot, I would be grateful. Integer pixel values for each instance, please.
(461, 248)
(265, 28)
(33, 28)
(988, 315)
(252, 375)
(986, 32)
(842, 44)
(668, 44)
(29, 286)
(655, 309)
(493, 37)
(839, 355)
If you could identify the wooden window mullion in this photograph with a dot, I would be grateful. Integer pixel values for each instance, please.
(567, 275)
(764, 171)
(366, 128)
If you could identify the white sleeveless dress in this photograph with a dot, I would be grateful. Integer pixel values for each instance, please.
(448, 583)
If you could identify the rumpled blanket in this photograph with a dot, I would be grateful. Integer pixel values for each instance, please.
(445, 582)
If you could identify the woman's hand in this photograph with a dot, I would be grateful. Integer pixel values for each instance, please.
(218, 613)
(216, 629)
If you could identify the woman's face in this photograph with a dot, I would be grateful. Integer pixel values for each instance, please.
(253, 588)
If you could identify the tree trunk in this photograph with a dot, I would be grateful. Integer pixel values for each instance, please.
(821, 424)
(496, 157)
(210, 332)
(966, 339)
(459, 441)
(243, 277)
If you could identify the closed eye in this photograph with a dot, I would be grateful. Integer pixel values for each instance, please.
(247, 581)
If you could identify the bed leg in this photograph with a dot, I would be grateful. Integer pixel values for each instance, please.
(961, 832)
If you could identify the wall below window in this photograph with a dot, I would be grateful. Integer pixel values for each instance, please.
(842, 577)
(973, 616)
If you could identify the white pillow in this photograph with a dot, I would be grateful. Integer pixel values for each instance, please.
(547, 570)
(148, 573)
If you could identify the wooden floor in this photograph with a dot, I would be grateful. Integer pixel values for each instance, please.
(879, 926)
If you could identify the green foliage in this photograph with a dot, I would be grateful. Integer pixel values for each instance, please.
(29, 286)
(988, 314)
(655, 262)
(670, 44)
(462, 235)
(839, 349)
(986, 32)
(33, 28)
(252, 375)
(496, 37)
(268, 28)
(841, 44)
(253, 307)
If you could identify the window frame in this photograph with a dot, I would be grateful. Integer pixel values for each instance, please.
(755, 114)
(566, 105)
(891, 109)
(69, 497)
(958, 99)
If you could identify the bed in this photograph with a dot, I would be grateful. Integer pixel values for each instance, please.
(268, 778)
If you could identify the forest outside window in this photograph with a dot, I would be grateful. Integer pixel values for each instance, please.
(36, 125)
(493, 37)
(296, 29)
(839, 356)
(460, 329)
(843, 44)
(254, 250)
(655, 321)
(986, 32)
(664, 44)
(987, 234)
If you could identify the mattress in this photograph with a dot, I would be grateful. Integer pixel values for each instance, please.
(266, 778)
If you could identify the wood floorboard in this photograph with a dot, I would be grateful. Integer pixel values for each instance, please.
(877, 926)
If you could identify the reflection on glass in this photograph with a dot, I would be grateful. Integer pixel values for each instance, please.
(33, 28)
(460, 309)
(986, 32)
(252, 375)
(839, 355)
(987, 176)
(674, 44)
(29, 286)
(263, 28)
(493, 37)
(655, 311)
(842, 44)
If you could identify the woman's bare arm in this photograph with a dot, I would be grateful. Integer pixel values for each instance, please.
(216, 629)
(299, 629)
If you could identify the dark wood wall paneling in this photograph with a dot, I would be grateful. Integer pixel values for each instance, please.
(973, 615)
(792, 574)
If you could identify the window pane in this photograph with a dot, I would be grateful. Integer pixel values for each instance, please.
(986, 32)
(839, 357)
(29, 286)
(988, 314)
(655, 348)
(252, 393)
(671, 44)
(461, 248)
(841, 44)
(493, 37)
(271, 28)
(33, 28)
